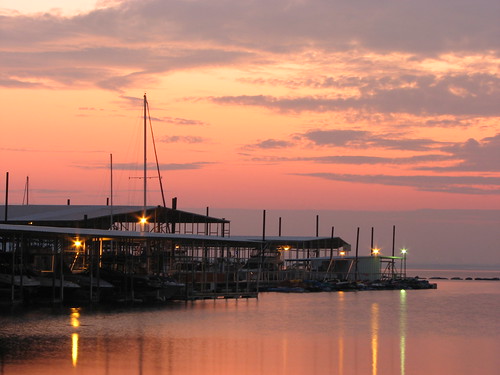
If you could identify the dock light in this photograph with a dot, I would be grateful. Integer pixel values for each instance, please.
(342, 253)
(375, 251)
(403, 262)
(143, 220)
(284, 248)
(77, 243)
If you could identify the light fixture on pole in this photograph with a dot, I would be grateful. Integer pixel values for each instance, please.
(143, 221)
(403, 262)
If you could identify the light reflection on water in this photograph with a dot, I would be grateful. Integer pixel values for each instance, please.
(374, 321)
(74, 348)
(402, 330)
(451, 330)
(341, 317)
(75, 322)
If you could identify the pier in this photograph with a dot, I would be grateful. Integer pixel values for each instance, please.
(127, 254)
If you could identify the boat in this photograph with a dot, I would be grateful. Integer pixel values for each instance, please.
(26, 281)
(17, 286)
(16, 278)
(47, 281)
(85, 280)
(153, 288)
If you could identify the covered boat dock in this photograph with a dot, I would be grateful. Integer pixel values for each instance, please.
(128, 246)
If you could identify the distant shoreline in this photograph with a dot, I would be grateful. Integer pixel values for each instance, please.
(453, 274)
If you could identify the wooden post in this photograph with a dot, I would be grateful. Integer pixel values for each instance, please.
(207, 230)
(53, 267)
(21, 264)
(371, 244)
(356, 261)
(6, 196)
(393, 247)
(174, 207)
(263, 225)
(13, 264)
(331, 247)
(61, 273)
(91, 253)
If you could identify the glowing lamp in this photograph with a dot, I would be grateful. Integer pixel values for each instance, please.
(342, 253)
(404, 251)
(375, 251)
(143, 220)
(78, 243)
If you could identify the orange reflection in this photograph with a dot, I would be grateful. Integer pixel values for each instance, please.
(75, 316)
(284, 354)
(75, 322)
(402, 330)
(74, 348)
(341, 295)
(374, 326)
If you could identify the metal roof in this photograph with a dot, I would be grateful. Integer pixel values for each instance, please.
(92, 215)
(303, 242)
(341, 257)
(188, 239)
(201, 240)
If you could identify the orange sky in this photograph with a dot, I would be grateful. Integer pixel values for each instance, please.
(306, 105)
(290, 105)
(300, 105)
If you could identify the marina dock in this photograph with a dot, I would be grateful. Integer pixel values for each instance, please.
(102, 254)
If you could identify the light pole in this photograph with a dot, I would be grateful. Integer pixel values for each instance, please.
(403, 262)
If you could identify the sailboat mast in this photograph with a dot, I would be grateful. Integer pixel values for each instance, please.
(145, 152)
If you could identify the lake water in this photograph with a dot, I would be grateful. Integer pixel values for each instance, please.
(454, 329)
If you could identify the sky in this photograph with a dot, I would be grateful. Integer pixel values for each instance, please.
(306, 105)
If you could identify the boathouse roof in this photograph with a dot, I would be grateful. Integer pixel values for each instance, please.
(183, 239)
(92, 216)
(304, 242)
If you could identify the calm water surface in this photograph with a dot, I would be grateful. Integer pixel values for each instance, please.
(452, 330)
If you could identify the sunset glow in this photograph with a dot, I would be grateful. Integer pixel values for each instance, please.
(356, 113)
(283, 105)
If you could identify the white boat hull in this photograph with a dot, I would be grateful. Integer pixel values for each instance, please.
(18, 280)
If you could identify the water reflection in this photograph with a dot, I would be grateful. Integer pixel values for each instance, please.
(341, 331)
(374, 330)
(74, 348)
(385, 333)
(284, 355)
(402, 330)
(75, 322)
(75, 317)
